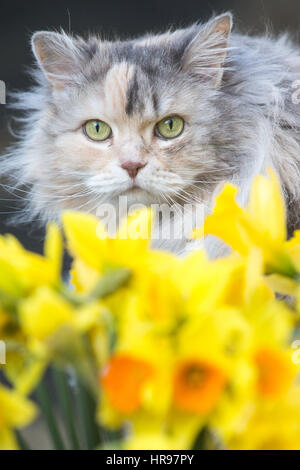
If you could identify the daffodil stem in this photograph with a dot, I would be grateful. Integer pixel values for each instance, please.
(88, 415)
(199, 443)
(65, 400)
(109, 283)
(46, 408)
(22, 443)
(112, 281)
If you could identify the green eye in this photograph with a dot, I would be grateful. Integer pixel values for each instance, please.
(170, 127)
(97, 130)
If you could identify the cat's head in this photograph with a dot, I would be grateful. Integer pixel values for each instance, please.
(130, 118)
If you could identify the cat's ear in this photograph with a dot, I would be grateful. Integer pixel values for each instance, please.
(205, 54)
(58, 56)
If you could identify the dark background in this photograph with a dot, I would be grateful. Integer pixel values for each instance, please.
(18, 20)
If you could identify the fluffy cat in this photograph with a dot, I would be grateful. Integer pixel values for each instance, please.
(230, 95)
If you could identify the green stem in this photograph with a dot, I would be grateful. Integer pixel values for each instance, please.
(65, 400)
(46, 407)
(207, 440)
(112, 280)
(87, 408)
(21, 441)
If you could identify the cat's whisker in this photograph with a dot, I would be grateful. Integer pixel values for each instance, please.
(175, 205)
(66, 196)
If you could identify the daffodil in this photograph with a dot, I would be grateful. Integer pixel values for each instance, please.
(167, 345)
(213, 374)
(15, 412)
(46, 311)
(180, 370)
(293, 247)
(287, 285)
(269, 425)
(89, 243)
(140, 366)
(130, 375)
(276, 372)
(53, 330)
(156, 439)
(261, 224)
(22, 273)
(22, 270)
(177, 433)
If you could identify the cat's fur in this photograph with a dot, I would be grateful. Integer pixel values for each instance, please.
(233, 91)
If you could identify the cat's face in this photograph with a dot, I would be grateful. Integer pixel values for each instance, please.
(126, 110)
(132, 107)
(127, 118)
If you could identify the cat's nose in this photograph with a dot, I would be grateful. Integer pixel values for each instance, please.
(132, 168)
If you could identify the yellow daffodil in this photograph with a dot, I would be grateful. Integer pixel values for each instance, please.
(88, 240)
(261, 224)
(157, 439)
(286, 285)
(45, 312)
(21, 274)
(53, 329)
(15, 412)
(162, 435)
(269, 425)
(22, 270)
(293, 247)
(198, 385)
(167, 345)
(140, 365)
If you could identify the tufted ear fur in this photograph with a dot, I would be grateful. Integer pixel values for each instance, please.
(206, 53)
(59, 57)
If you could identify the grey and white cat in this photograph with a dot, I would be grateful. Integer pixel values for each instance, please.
(162, 118)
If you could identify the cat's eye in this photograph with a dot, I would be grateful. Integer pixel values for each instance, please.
(97, 130)
(170, 127)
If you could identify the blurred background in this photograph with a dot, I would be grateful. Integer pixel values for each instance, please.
(19, 19)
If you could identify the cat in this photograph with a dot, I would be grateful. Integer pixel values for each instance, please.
(165, 118)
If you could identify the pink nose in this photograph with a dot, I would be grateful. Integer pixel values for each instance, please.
(132, 168)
